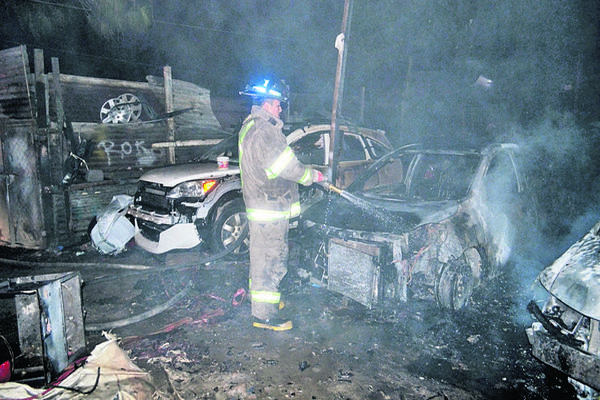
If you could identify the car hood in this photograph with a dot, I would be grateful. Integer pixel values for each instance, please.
(378, 215)
(574, 278)
(176, 174)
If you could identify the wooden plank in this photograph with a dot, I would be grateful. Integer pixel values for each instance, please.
(123, 149)
(200, 118)
(83, 103)
(58, 97)
(40, 89)
(15, 83)
(15, 101)
(112, 83)
(12, 58)
(169, 108)
(88, 200)
(186, 143)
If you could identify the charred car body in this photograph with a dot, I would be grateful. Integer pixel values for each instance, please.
(566, 335)
(183, 206)
(420, 223)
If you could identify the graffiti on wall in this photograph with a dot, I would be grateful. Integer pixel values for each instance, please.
(144, 155)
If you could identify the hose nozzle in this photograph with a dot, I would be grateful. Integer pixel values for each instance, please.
(329, 187)
(334, 189)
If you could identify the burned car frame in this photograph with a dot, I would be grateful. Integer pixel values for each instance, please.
(424, 223)
(566, 332)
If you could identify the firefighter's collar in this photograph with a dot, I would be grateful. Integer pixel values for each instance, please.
(267, 116)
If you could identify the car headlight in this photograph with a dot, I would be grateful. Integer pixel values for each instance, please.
(198, 189)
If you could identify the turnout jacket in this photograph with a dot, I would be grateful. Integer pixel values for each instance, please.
(269, 169)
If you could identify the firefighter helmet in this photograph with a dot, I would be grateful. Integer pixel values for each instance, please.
(268, 89)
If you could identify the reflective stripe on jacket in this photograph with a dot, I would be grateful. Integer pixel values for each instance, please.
(257, 214)
(269, 169)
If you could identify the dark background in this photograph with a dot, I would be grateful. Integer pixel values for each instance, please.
(540, 55)
(411, 70)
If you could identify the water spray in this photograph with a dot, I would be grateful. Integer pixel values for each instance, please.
(365, 205)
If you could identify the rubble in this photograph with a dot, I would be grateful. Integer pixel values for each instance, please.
(203, 347)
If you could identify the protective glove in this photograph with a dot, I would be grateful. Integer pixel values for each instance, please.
(321, 180)
(318, 176)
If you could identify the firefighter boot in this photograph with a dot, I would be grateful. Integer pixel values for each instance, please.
(274, 324)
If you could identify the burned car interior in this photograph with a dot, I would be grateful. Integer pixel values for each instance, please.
(433, 222)
(429, 177)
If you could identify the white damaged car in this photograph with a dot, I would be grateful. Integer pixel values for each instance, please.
(566, 333)
(183, 206)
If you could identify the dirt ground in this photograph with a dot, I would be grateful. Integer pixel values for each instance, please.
(195, 338)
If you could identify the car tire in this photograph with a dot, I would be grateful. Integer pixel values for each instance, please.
(454, 284)
(230, 229)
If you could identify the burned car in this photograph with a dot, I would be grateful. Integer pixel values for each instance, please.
(566, 333)
(183, 206)
(424, 223)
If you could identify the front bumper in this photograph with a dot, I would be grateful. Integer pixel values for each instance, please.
(179, 236)
(577, 364)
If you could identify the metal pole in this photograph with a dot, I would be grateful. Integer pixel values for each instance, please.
(335, 144)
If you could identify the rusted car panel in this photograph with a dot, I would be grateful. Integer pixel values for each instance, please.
(566, 333)
(443, 217)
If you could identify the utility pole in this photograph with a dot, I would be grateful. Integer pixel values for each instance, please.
(335, 144)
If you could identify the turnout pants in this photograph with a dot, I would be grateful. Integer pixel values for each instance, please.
(268, 265)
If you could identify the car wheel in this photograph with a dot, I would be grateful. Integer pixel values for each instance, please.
(454, 284)
(230, 229)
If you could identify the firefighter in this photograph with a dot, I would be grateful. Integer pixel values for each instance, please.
(270, 176)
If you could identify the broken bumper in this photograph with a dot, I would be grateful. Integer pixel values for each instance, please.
(577, 364)
(179, 236)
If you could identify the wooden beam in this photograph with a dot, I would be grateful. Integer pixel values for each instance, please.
(58, 98)
(168, 79)
(113, 83)
(186, 143)
(40, 89)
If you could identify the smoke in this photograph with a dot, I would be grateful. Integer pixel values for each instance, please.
(223, 47)
(410, 66)
(411, 70)
(562, 173)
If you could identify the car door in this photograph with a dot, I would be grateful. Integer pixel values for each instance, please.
(311, 146)
(354, 159)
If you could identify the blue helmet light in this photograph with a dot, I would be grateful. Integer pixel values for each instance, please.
(267, 90)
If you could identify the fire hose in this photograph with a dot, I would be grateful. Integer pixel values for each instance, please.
(358, 201)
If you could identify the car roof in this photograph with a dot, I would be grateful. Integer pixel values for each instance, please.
(374, 134)
(418, 148)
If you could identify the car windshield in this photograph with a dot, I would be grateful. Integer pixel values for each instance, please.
(226, 147)
(434, 176)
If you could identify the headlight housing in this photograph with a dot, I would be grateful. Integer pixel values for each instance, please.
(197, 189)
